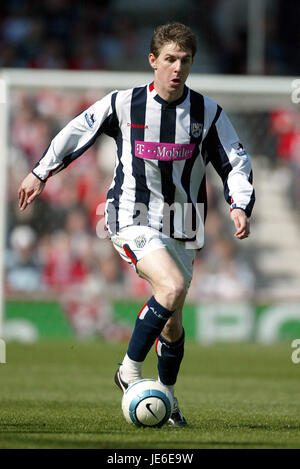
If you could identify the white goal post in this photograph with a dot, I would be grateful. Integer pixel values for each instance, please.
(237, 91)
(3, 174)
(245, 93)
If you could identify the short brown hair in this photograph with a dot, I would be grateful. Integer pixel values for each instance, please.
(173, 32)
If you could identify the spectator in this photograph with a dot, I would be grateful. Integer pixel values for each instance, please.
(22, 265)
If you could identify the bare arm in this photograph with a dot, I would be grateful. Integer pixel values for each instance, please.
(30, 188)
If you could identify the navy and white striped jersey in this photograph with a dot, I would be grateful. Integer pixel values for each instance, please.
(162, 150)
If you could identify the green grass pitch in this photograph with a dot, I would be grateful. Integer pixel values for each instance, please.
(62, 395)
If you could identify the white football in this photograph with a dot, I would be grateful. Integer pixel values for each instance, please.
(147, 403)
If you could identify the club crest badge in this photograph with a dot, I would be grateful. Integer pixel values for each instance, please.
(196, 129)
(140, 241)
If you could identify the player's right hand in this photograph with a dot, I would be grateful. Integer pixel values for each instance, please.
(29, 189)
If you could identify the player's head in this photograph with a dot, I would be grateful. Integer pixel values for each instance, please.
(177, 33)
(172, 51)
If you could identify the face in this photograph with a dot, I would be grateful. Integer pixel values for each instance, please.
(171, 69)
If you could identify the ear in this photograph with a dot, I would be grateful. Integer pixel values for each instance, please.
(152, 61)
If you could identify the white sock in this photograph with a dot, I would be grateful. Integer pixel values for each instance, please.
(170, 387)
(130, 370)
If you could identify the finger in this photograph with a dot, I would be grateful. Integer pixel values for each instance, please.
(24, 202)
(240, 231)
(21, 196)
(242, 235)
(32, 197)
(241, 226)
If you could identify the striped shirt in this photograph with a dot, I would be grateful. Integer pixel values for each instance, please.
(162, 150)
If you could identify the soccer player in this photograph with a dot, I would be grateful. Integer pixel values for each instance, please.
(165, 136)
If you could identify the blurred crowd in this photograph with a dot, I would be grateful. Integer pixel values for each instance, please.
(285, 126)
(114, 34)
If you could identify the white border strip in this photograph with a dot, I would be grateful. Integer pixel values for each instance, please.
(3, 181)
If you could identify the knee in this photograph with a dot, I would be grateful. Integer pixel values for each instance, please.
(177, 289)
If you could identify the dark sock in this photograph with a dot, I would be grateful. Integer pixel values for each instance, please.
(170, 355)
(149, 324)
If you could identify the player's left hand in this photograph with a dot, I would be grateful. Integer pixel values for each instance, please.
(241, 222)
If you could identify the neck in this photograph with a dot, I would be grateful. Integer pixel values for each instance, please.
(168, 95)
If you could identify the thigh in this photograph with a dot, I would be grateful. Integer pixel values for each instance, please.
(183, 257)
(162, 261)
(146, 251)
(159, 268)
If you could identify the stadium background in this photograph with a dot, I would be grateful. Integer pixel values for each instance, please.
(61, 280)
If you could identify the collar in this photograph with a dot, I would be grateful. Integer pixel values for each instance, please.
(165, 103)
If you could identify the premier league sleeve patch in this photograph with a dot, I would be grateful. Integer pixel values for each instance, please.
(90, 119)
(239, 150)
